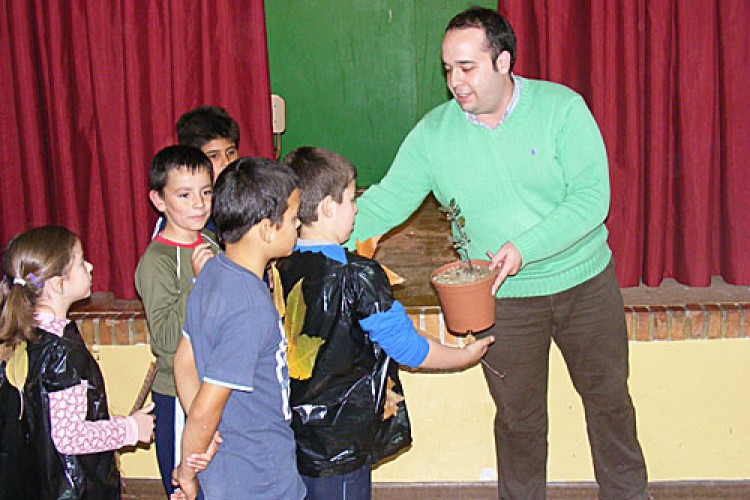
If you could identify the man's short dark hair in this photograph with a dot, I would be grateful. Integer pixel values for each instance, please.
(321, 173)
(497, 31)
(174, 158)
(205, 124)
(248, 191)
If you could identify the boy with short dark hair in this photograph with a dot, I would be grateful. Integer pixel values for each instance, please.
(234, 340)
(213, 131)
(181, 188)
(348, 407)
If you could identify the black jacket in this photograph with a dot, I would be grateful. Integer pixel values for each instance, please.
(13, 444)
(338, 413)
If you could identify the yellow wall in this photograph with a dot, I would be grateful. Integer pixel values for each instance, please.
(691, 401)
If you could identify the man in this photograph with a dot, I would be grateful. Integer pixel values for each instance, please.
(526, 162)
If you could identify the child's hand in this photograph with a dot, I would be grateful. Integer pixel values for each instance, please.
(199, 461)
(201, 254)
(178, 494)
(145, 422)
(476, 350)
(184, 478)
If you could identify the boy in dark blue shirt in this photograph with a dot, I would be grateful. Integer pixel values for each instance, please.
(235, 344)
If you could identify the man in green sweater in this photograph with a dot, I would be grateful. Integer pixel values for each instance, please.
(526, 162)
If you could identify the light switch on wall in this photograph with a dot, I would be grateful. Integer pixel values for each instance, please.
(278, 108)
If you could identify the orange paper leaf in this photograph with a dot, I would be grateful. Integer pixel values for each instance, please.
(367, 249)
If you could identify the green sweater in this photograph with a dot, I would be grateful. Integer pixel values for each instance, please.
(539, 180)
(163, 279)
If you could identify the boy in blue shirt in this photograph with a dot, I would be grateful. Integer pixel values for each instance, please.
(235, 344)
(348, 409)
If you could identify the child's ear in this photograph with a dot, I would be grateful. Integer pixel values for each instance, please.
(157, 200)
(54, 285)
(325, 207)
(267, 230)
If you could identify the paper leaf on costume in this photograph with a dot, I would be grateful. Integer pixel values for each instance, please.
(17, 368)
(392, 399)
(278, 291)
(367, 249)
(301, 350)
(393, 278)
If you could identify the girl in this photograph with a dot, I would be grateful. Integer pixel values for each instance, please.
(69, 437)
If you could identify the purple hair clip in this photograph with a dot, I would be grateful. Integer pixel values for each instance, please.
(36, 281)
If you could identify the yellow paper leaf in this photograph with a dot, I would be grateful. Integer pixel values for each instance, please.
(392, 399)
(17, 366)
(278, 291)
(301, 350)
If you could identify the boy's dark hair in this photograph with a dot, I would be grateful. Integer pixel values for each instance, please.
(248, 191)
(206, 123)
(174, 158)
(321, 173)
(498, 32)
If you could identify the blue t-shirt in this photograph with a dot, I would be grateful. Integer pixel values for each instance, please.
(238, 342)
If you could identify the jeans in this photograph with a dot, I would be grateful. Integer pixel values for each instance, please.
(355, 485)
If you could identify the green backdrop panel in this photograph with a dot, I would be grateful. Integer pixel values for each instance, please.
(357, 75)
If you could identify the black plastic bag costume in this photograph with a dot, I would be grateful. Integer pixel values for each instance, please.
(55, 364)
(338, 412)
(13, 443)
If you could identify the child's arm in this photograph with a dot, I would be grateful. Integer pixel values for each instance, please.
(72, 434)
(187, 383)
(185, 374)
(201, 425)
(452, 358)
(395, 333)
(163, 302)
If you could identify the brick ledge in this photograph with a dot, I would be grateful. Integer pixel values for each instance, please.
(104, 320)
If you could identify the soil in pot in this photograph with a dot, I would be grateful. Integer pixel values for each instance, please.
(462, 275)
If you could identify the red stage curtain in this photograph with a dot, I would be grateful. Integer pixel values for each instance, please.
(669, 84)
(92, 90)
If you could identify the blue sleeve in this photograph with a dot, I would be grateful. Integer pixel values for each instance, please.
(395, 333)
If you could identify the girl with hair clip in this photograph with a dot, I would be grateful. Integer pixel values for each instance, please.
(66, 435)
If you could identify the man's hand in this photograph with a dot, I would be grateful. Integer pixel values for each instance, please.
(184, 478)
(201, 254)
(508, 260)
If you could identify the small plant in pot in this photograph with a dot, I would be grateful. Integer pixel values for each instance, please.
(464, 287)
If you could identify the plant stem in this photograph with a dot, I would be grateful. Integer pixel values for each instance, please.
(465, 238)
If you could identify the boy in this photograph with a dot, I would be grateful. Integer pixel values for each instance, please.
(181, 188)
(348, 409)
(234, 340)
(213, 131)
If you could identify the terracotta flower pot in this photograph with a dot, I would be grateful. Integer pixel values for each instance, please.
(466, 307)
